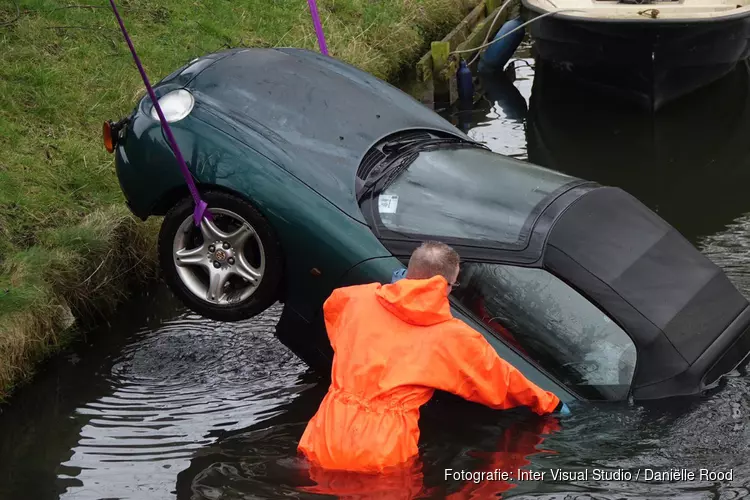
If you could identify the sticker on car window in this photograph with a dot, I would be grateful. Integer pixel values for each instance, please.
(388, 203)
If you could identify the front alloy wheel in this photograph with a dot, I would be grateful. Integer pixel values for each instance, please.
(229, 268)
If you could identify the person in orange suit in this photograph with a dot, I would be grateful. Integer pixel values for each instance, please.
(394, 345)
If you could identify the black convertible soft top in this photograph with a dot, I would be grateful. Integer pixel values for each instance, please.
(681, 310)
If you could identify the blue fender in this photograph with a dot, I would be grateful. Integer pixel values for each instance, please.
(499, 53)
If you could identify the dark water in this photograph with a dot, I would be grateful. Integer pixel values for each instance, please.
(163, 404)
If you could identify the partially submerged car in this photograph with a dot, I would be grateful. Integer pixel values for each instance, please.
(319, 175)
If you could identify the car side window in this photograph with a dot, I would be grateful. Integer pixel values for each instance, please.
(552, 324)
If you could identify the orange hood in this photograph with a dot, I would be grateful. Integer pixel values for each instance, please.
(417, 302)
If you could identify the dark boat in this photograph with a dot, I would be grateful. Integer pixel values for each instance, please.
(651, 52)
(692, 154)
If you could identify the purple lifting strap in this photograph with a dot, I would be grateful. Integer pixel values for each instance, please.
(318, 27)
(200, 205)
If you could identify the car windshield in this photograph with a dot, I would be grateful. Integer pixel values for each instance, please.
(468, 193)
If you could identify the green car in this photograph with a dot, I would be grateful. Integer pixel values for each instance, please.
(318, 175)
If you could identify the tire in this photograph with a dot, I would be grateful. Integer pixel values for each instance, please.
(239, 298)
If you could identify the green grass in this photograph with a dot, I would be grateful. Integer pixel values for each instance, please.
(66, 243)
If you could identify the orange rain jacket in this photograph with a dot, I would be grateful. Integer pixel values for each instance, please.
(394, 345)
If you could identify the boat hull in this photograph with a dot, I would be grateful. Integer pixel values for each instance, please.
(692, 154)
(650, 63)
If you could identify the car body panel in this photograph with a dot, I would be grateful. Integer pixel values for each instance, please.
(318, 114)
(306, 144)
(146, 167)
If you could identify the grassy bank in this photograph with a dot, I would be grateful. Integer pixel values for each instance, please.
(68, 248)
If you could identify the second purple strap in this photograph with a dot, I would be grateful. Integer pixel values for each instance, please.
(318, 27)
(200, 205)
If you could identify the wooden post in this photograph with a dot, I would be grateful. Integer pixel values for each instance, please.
(492, 5)
(440, 77)
(482, 30)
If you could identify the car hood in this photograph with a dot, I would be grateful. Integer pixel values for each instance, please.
(318, 114)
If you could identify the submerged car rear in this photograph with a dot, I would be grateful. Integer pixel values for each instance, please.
(681, 309)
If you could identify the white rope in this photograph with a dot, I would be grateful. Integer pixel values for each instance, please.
(550, 13)
(487, 36)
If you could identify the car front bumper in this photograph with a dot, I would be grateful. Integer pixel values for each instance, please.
(127, 182)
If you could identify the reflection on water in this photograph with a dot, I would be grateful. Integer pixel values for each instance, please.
(262, 460)
(164, 404)
(689, 162)
(171, 392)
(121, 418)
(730, 249)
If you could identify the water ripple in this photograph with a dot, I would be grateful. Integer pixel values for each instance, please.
(172, 391)
(730, 250)
(179, 388)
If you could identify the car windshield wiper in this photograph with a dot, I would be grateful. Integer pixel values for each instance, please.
(388, 174)
(402, 145)
(396, 170)
(406, 139)
(453, 142)
(395, 147)
(404, 154)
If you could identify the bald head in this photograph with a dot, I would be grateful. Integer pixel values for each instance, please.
(433, 258)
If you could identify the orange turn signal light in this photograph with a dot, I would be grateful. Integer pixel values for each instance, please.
(109, 143)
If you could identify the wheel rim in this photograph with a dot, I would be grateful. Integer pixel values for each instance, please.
(223, 261)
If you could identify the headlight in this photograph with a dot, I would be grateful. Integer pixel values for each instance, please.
(175, 105)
